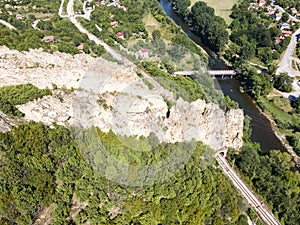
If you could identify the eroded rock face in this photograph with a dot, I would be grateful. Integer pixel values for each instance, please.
(42, 69)
(113, 97)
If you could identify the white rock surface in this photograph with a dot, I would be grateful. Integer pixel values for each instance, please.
(113, 97)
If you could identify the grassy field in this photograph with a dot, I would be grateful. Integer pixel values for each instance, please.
(222, 8)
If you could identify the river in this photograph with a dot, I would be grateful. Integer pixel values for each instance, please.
(261, 128)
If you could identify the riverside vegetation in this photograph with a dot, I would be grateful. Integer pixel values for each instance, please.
(45, 174)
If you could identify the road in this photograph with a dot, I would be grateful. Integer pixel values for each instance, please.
(7, 24)
(246, 192)
(257, 205)
(159, 89)
(285, 65)
(70, 10)
(281, 10)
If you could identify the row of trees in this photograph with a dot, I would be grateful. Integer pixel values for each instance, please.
(204, 22)
(51, 169)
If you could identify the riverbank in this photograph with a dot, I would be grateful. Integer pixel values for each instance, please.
(263, 127)
(281, 134)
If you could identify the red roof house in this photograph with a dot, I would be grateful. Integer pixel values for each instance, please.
(80, 47)
(120, 35)
(49, 39)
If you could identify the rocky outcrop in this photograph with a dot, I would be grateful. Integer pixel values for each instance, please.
(42, 69)
(113, 97)
(6, 122)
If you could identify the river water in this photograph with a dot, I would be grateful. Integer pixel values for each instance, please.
(261, 128)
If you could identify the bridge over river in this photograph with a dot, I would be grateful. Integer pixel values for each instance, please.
(214, 73)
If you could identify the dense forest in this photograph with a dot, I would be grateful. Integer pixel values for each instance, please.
(51, 175)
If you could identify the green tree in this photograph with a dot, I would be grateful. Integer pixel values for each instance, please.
(283, 82)
(156, 35)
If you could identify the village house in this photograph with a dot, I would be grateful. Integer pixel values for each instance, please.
(270, 10)
(293, 10)
(143, 53)
(80, 47)
(114, 24)
(98, 3)
(286, 33)
(19, 17)
(7, 6)
(277, 16)
(261, 3)
(49, 39)
(120, 35)
(278, 40)
(284, 26)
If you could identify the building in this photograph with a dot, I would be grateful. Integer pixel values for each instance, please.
(114, 24)
(284, 26)
(19, 17)
(293, 10)
(261, 3)
(286, 33)
(50, 38)
(277, 16)
(120, 35)
(80, 47)
(270, 10)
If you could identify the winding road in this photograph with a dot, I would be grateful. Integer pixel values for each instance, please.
(285, 65)
(262, 210)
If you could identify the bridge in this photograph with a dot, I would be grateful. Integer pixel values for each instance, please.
(214, 73)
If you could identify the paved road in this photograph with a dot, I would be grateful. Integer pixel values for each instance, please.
(285, 65)
(281, 10)
(160, 90)
(254, 202)
(8, 25)
(257, 205)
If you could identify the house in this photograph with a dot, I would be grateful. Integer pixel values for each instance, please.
(261, 3)
(270, 10)
(49, 39)
(293, 10)
(286, 33)
(298, 15)
(143, 53)
(284, 26)
(253, 6)
(278, 40)
(120, 35)
(114, 24)
(80, 47)
(277, 16)
(19, 17)
(7, 6)
(98, 3)
(122, 7)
